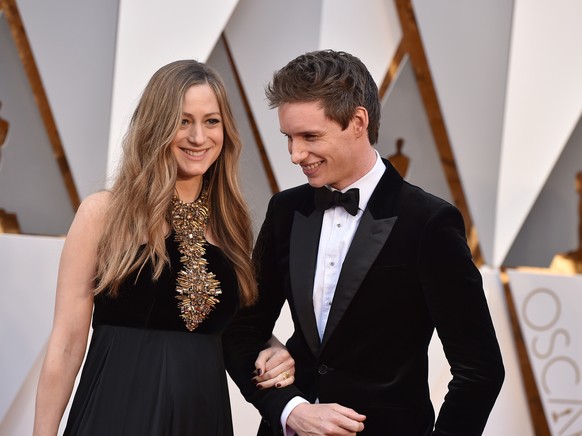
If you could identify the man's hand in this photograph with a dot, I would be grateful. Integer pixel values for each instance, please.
(325, 419)
(274, 366)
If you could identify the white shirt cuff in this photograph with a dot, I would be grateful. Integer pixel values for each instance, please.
(294, 402)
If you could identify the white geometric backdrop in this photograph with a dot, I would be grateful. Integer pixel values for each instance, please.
(507, 74)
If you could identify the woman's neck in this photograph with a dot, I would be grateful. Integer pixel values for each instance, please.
(189, 190)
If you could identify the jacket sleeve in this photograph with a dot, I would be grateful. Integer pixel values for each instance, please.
(253, 326)
(453, 290)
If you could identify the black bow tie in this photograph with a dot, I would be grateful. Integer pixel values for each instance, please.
(325, 198)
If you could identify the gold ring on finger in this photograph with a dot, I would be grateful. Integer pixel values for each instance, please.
(285, 375)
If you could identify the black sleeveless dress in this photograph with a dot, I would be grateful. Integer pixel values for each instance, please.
(145, 373)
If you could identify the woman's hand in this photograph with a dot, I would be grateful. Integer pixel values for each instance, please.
(274, 366)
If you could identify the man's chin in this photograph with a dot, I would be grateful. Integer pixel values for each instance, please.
(315, 183)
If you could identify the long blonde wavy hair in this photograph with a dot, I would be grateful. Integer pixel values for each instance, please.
(142, 192)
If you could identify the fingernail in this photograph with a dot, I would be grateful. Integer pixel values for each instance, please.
(259, 386)
(255, 381)
(259, 371)
(278, 385)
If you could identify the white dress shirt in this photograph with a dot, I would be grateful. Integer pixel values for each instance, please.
(337, 231)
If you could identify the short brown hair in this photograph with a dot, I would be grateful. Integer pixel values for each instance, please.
(336, 79)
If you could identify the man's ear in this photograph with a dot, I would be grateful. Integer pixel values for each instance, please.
(360, 121)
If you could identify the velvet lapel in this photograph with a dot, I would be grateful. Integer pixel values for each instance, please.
(303, 248)
(375, 226)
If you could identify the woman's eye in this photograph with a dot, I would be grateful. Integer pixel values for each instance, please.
(213, 121)
(185, 122)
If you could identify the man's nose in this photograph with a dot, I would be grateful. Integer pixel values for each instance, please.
(298, 152)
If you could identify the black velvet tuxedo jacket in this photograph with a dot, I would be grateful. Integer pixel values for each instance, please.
(408, 271)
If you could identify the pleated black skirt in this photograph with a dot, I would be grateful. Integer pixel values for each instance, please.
(145, 382)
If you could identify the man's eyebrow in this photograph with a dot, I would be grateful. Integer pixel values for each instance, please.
(302, 133)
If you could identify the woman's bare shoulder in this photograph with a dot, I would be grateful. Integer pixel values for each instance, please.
(93, 208)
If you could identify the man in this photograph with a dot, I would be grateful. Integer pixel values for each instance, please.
(368, 277)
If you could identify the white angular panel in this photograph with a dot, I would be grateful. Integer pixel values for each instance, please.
(544, 103)
(73, 45)
(28, 268)
(264, 35)
(467, 46)
(371, 33)
(551, 226)
(31, 184)
(510, 415)
(404, 116)
(19, 418)
(151, 35)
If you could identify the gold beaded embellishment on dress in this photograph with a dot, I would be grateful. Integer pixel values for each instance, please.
(197, 287)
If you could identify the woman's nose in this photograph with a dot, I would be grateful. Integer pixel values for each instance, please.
(197, 135)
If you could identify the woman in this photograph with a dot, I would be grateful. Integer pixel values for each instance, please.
(163, 257)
